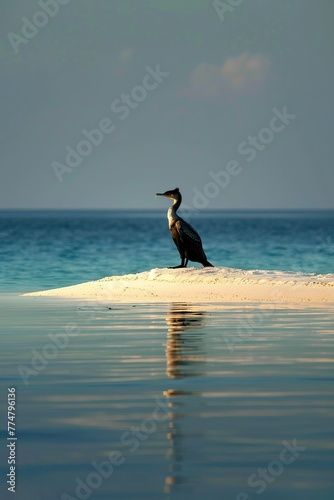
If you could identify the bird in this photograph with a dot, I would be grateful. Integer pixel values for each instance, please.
(185, 237)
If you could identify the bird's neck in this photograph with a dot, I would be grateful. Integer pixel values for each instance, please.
(171, 214)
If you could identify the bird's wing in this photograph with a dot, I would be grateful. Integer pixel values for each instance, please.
(187, 232)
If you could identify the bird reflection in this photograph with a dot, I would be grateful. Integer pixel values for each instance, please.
(185, 357)
(184, 351)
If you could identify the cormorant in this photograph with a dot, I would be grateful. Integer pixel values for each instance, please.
(187, 240)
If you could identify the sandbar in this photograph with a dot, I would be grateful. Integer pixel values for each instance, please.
(194, 284)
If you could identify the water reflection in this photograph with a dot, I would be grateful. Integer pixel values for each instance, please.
(185, 357)
(184, 351)
(228, 411)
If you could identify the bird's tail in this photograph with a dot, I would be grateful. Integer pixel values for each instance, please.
(207, 264)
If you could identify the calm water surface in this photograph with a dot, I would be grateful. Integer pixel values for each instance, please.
(188, 401)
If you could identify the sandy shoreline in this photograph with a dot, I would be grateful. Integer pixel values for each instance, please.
(203, 285)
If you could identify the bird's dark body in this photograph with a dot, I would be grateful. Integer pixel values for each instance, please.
(185, 237)
(188, 242)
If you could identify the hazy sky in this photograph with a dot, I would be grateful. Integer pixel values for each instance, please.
(181, 90)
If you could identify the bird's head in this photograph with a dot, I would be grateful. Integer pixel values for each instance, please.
(173, 193)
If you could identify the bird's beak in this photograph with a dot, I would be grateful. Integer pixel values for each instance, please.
(160, 194)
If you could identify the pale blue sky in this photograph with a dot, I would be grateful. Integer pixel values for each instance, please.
(225, 78)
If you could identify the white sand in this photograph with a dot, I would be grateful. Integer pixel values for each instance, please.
(204, 285)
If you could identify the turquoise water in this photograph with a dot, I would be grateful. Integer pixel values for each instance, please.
(164, 401)
(40, 250)
(184, 400)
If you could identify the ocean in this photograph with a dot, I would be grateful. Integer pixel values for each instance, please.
(40, 250)
(166, 400)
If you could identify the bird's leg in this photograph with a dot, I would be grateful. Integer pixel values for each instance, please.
(181, 265)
